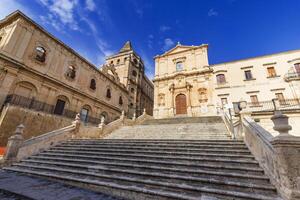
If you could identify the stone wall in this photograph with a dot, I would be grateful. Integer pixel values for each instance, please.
(36, 123)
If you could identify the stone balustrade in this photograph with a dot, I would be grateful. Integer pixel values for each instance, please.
(279, 156)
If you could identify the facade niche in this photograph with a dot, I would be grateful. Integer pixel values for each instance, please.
(40, 54)
(161, 99)
(120, 100)
(202, 95)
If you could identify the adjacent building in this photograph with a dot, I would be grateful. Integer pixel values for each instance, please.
(44, 82)
(185, 83)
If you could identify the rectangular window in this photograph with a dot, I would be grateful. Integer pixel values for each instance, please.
(271, 72)
(224, 102)
(254, 100)
(221, 79)
(248, 75)
(280, 98)
(179, 66)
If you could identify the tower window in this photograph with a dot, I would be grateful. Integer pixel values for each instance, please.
(134, 73)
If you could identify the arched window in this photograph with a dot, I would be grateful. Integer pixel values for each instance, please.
(108, 93)
(179, 66)
(134, 73)
(120, 101)
(93, 84)
(112, 62)
(221, 79)
(135, 61)
(118, 61)
(71, 72)
(125, 59)
(40, 54)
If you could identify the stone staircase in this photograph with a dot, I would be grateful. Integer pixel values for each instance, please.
(187, 169)
(183, 128)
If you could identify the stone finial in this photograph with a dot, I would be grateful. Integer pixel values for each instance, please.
(144, 111)
(101, 125)
(19, 130)
(134, 116)
(281, 123)
(77, 118)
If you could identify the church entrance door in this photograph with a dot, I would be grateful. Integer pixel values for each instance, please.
(181, 104)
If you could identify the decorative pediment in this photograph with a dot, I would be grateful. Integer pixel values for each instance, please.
(177, 49)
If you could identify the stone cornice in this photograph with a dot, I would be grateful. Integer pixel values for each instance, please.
(58, 82)
(190, 73)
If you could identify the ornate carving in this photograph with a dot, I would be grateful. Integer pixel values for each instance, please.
(202, 95)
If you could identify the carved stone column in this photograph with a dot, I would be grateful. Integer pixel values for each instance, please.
(189, 104)
(171, 111)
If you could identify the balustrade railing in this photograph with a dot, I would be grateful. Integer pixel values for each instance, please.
(291, 76)
(36, 105)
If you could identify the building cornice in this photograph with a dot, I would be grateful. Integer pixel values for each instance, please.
(191, 73)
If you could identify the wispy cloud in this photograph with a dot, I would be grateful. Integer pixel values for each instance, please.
(150, 41)
(90, 5)
(8, 6)
(212, 12)
(168, 43)
(164, 28)
(61, 12)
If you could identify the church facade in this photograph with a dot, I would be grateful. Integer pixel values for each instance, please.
(185, 83)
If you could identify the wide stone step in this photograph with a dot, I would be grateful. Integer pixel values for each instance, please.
(153, 141)
(208, 160)
(172, 149)
(182, 120)
(141, 152)
(85, 176)
(160, 177)
(256, 171)
(156, 151)
(147, 145)
(202, 174)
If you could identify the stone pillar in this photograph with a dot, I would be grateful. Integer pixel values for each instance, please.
(286, 149)
(14, 144)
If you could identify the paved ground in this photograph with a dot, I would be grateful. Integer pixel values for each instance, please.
(14, 186)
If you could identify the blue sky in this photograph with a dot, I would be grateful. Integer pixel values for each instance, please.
(234, 29)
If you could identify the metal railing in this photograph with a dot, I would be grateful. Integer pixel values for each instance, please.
(33, 104)
(270, 106)
(292, 76)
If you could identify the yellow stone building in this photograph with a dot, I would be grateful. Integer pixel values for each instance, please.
(185, 83)
(44, 82)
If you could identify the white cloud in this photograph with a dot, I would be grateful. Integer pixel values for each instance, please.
(150, 41)
(9, 6)
(164, 28)
(212, 12)
(62, 11)
(90, 5)
(168, 43)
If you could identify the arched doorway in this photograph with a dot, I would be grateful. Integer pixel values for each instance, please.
(181, 104)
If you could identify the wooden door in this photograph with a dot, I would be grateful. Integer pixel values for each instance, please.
(181, 104)
(59, 107)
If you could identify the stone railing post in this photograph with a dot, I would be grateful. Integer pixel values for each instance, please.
(122, 117)
(101, 125)
(14, 144)
(286, 151)
(144, 111)
(77, 123)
